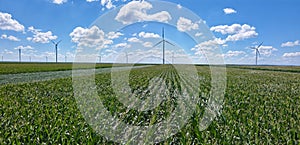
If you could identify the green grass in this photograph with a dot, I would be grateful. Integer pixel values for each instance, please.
(260, 107)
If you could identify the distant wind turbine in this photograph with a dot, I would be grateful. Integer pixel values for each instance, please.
(257, 51)
(126, 57)
(164, 44)
(99, 58)
(20, 53)
(56, 46)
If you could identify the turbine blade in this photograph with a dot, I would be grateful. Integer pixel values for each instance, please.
(52, 42)
(58, 41)
(157, 43)
(260, 45)
(258, 52)
(169, 43)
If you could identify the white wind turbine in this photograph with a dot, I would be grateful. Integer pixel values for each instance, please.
(257, 51)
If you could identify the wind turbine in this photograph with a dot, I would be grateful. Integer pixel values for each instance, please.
(99, 58)
(56, 45)
(126, 57)
(257, 51)
(20, 53)
(164, 44)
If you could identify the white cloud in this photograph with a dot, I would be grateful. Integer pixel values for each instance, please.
(179, 6)
(198, 34)
(24, 47)
(239, 32)
(266, 50)
(59, 1)
(92, 0)
(107, 3)
(229, 11)
(8, 23)
(114, 35)
(40, 37)
(184, 24)
(291, 44)
(12, 38)
(8, 51)
(208, 47)
(123, 45)
(234, 53)
(293, 54)
(136, 11)
(90, 37)
(148, 44)
(148, 35)
(134, 39)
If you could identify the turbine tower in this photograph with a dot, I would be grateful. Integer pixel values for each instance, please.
(56, 45)
(99, 58)
(126, 57)
(257, 51)
(20, 53)
(164, 44)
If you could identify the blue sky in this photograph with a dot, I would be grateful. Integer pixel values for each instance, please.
(237, 26)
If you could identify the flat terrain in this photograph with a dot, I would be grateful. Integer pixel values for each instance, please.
(260, 107)
(14, 68)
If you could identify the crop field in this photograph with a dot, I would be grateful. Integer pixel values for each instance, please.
(260, 107)
(14, 68)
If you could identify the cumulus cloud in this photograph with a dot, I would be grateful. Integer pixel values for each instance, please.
(236, 31)
(229, 11)
(28, 47)
(134, 39)
(136, 11)
(107, 3)
(184, 24)
(11, 38)
(148, 35)
(179, 6)
(198, 34)
(208, 47)
(123, 45)
(40, 37)
(90, 37)
(148, 44)
(234, 53)
(59, 1)
(293, 54)
(266, 50)
(114, 35)
(291, 44)
(8, 23)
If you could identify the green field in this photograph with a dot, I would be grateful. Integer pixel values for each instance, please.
(260, 107)
(14, 68)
